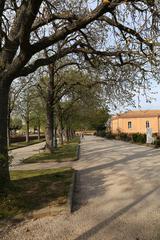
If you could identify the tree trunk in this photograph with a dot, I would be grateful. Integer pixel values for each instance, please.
(60, 127)
(8, 128)
(27, 131)
(67, 135)
(4, 164)
(50, 129)
(61, 133)
(61, 138)
(39, 130)
(55, 138)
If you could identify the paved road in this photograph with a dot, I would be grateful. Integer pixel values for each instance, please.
(117, 197)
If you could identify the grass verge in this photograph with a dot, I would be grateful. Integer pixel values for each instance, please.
(34, 190)
(67, 152)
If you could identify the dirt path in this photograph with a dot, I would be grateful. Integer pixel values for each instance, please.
(117, 197)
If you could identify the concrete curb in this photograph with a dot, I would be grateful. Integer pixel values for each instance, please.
(71, 192)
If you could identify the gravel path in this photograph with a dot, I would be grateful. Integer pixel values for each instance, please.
(22, 153)
(117, 197)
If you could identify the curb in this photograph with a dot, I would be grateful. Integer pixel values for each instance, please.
(71, 192)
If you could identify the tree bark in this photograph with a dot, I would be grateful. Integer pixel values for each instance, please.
(60, 125)
(61, 133)
(50, 129)
(8, 129)
(61, 137)
(39, 130)
(27, 131)
(67, 135)
(4, 164)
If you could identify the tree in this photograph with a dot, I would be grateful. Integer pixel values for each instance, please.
(20, 20)
(15, 90)
(15, 124)
(37, 116)
(81, 106)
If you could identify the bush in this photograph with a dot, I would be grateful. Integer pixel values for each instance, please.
(135, 137)
(101, 133)
(125, 137)
(157, 143)
(17, 139)
(139, 138)
(110, 135)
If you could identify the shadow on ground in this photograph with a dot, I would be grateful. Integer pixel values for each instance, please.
(117, 214)
(35, 192)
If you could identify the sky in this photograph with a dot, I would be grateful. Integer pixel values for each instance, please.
(140, 103)
(155, 101)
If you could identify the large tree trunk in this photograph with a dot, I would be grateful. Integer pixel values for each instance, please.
(4, 165)
(50, 128)
(8, 129)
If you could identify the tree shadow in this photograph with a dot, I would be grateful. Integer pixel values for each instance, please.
(86, 191)
(109, 220)
(33, 193)
(92, 181)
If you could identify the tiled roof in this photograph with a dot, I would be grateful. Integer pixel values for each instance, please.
(138, 114)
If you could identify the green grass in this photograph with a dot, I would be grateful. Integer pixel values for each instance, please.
(24, 144)
(67, 152)
(33, 190)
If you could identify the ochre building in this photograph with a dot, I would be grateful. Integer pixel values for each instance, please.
(136, 121)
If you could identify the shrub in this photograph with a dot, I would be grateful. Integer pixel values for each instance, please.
(139, 138)
(17, 139)
(125, 137)
(157, 142)
(101, 133)
(110, 135)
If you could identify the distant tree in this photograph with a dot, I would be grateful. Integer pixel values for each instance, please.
(37, 116)
(16, 124)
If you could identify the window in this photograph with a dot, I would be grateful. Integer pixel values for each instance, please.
(129, 124)
(147, 124)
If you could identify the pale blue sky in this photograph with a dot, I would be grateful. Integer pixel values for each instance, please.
(155, 101)
(140, 102)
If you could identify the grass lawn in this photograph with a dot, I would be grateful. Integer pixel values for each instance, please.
(67, 152)
(34, 190)
(24, 144)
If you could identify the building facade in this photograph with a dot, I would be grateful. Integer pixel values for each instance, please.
(136, 122)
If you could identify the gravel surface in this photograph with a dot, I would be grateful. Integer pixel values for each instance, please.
(20, 154)
(117, 197)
